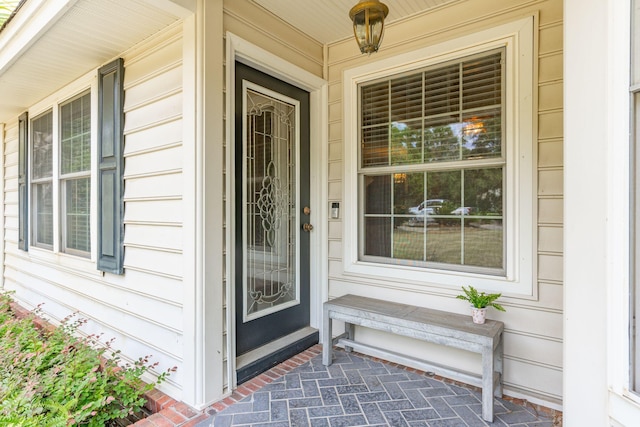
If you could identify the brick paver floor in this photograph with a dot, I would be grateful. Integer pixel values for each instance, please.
(360, 391)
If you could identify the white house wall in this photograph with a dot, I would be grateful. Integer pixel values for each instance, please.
(533, 325)
(141, 309)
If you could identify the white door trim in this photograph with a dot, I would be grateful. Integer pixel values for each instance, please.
(241, 50)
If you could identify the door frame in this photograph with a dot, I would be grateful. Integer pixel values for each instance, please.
(238, 49)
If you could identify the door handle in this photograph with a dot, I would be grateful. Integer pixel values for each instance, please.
(307, 227)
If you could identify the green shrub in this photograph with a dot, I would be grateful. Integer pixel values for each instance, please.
(55, 378)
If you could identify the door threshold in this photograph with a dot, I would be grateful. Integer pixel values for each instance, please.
(267, 356)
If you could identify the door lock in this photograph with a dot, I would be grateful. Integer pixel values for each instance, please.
(307, 227)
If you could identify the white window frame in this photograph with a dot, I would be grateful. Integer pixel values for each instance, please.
(55, 254)
(621, 176)
(628, 382)
(517, 38)
(71, 176)
(33, 181)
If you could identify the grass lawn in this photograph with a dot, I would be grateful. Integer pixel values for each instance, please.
(482, 246)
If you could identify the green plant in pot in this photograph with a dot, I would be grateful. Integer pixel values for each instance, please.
(480, 301)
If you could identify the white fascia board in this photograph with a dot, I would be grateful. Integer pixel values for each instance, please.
(31, 22)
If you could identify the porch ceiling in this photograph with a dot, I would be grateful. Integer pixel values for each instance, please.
(48, 44)
(328, 21)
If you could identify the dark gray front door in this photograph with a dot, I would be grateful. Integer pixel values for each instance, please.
(272, 191)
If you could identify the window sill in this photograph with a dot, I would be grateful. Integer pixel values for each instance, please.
(449, 279)
(62, 261)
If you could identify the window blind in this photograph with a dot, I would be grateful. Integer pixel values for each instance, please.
(415, 209)
(443, 113)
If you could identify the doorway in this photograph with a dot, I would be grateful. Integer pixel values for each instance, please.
(272, 217)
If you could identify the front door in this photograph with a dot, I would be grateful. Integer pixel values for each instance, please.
(272, 208)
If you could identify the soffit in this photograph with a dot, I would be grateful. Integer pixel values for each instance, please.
(85, 35)
(328, 21)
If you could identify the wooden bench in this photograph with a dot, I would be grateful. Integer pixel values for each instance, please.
(425, 324)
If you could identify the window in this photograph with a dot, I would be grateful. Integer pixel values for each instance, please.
(432, 166)
(42, 180)
(57, 171)
(71, 176)
(75, 174)
(439, 154)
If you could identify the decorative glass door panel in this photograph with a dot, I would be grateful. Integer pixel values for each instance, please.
(271, 256)
(270, 206)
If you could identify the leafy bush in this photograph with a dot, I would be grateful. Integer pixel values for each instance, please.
(55, 378)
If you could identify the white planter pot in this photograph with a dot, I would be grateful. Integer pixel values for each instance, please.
(479, 315)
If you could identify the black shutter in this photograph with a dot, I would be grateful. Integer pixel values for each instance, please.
(110, 167)
(23, 151)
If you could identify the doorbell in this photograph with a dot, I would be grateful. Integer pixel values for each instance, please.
(335, 210)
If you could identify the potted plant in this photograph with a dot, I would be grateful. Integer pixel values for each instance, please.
(479, 303)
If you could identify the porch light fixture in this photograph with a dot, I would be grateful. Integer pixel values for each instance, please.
(368, 24)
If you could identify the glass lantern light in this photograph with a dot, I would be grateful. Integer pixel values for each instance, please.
(368, 24)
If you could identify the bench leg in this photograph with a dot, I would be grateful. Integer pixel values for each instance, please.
(327, 341)
(498, 353)
(488, 363)
(349, 330)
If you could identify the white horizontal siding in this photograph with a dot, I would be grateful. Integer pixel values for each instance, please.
(11, 158)
(141, 309)
(165, 184)
(533, 379)
(158, 236)
(536, 349)
(11, 171)
(154, 212)
(153, 260)
(157, 86)
(120, 300)
(10, 174)
(11, 198)
(155, 112)
(153, 59)
(114, 318)
(163, 135)
(167, 158)
(153, 84)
